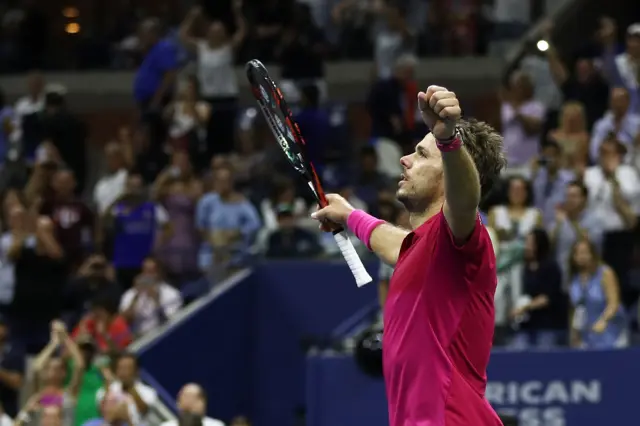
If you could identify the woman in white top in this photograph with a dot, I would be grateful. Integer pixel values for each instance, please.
(216, 74)
(516, 218)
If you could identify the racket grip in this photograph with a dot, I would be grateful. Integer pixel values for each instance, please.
(353, 260)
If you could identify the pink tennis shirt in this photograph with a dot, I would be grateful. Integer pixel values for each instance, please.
(438, 329)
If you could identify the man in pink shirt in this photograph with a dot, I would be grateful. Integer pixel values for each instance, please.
(439, 315)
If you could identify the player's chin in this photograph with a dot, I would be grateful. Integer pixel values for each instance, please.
(402, 195)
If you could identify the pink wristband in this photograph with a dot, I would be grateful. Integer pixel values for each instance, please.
(362, 225)
(450, 145)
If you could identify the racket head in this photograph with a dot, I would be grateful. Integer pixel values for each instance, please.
(282, 124)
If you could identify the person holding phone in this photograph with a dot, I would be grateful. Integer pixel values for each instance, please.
(151, 301)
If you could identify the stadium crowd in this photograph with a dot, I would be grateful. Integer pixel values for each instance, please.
(194, 190)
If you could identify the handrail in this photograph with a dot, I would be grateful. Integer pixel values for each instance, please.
(347, 326)
(167, 406)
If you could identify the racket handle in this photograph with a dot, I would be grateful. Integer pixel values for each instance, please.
(353, 260)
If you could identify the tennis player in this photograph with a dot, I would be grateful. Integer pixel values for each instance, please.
(439, 315)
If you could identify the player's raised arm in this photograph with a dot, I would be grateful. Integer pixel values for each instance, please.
(381, 237)
(441, 111)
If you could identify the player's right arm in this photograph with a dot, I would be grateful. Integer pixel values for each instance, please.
(385, 240)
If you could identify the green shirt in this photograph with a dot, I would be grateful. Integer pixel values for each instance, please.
(90, 383)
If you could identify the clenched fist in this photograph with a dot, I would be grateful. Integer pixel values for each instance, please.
(440, 110)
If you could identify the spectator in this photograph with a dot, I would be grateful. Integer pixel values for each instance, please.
(112, 184)
(11, 242)
(178, 189)
(369, 181)
(393, 38)
(32, 413)
(28, 106)
(187, 117)
(155, 79)
(584, 84)
(216, 74)
(228, 223)
(96, 371)
(516, 218)
(39, 284)
(115, 411)
(139, 397)
(290, 240)
(574, 221)
(269, 20)
(550, 180)
(598, 320)
(621, 69)
(12, 368)
(38, 188)
(392, 102)
(541, 310)
(73, 220)
(614, 188)
(6, 126)
(108, 330)
(283, 193)
(301, 53)
(240, 421)
(619, 122)
(315, 125)
(136, 224)
(151, 301)
(67, 134)
(192, 401)
(50, 373)
(572, 136)
(95, 278)
(522, 118)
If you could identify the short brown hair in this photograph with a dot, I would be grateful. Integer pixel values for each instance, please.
(484, 144)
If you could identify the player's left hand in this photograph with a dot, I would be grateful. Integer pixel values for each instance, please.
(440, 111)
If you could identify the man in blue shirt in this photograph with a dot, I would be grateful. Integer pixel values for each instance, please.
(154, 83)
(157, 73)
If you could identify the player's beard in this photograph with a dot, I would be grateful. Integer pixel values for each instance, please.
(419, 200)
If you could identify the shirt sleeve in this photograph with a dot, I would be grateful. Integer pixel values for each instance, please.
(126, 299)
(203, 210)
(475, 244)
(168, 58)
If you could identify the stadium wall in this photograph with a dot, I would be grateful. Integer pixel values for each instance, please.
(246, 346)
(558, 388)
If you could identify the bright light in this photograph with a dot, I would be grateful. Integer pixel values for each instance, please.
(70, 12)
(72, 28)
(542, 45)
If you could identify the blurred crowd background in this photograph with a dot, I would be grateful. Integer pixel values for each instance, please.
(114, 223)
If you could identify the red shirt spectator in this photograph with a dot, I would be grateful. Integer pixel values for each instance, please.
(116, 333)
(109, 330)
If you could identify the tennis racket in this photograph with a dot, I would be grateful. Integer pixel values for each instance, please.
(287, 134)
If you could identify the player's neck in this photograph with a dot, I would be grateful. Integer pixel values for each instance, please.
(416, 219)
